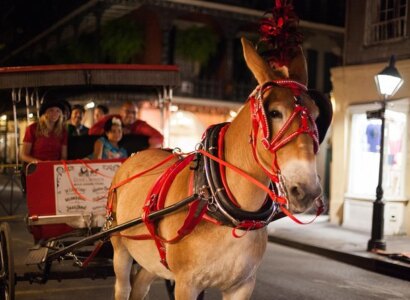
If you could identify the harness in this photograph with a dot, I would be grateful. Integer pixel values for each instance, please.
(223, 207)
(215, 201)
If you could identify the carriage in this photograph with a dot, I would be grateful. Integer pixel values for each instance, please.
(66, 199)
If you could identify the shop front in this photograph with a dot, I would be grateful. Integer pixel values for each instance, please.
(356, 151)
(363, 166)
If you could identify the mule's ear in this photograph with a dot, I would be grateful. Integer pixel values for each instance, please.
(298, 68)
(256, 63)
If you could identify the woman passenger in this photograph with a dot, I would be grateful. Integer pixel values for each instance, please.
(106, 147)
(100, 111)
(46, 139)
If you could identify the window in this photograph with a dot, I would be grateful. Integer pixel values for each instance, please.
(365, 152)
(387, 20)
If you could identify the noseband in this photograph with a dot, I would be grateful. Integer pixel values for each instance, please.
(260, 122)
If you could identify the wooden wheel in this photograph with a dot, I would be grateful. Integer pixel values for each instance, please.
(7, 276)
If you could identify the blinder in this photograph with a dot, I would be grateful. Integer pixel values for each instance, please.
(324, 119)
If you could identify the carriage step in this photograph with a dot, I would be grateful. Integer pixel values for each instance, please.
(36, 255)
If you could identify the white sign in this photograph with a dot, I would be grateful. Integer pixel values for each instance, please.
(83, 188)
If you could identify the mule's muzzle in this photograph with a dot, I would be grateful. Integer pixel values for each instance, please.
(302, 196)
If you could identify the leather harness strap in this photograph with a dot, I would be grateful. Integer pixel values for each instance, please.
(155, 201)
(221, 140)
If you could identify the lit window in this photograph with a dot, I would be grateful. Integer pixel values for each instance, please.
(365, 152)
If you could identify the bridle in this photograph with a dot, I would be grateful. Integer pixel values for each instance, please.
(260, 122)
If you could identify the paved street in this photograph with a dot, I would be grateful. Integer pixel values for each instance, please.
(285, 273)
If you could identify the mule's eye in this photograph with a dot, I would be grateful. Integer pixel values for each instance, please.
(275, 114)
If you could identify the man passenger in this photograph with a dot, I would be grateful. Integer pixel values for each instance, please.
(75, 126)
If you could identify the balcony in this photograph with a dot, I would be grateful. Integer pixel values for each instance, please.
(390, 30)
(214, 89)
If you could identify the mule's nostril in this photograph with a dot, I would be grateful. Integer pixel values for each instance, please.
(295, 192)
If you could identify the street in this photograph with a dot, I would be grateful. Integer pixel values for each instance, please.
(285, 273)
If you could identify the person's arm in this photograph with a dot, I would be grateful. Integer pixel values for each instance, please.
(25, 154)
(155, 141)
(98, 149)
(98, 127)
(155, 137)
(64, 146)
(28, 140)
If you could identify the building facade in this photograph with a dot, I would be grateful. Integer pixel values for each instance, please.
(375, 30)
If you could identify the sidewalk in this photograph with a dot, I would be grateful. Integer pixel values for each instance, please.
(342, 244)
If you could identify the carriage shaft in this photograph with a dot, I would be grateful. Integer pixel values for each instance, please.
(105, 234)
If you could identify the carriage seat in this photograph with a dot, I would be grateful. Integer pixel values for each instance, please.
(82, 146)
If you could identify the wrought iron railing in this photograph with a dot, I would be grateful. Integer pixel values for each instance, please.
(388, 30)
(214, 89)
(254, 4)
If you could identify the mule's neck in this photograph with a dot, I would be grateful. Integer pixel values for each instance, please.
(238, 151)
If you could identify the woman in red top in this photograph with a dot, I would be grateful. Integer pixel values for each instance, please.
(47, 138)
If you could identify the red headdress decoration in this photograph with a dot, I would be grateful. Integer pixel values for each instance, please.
(279, 35)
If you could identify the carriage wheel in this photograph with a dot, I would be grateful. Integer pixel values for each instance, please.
(7, 276)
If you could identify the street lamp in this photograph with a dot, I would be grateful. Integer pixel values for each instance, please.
(388, 82)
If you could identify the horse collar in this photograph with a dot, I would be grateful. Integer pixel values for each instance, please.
(223, 206)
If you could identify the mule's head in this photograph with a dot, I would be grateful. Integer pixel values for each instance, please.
(285, 138)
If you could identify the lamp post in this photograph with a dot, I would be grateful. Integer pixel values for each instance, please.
(388, 82)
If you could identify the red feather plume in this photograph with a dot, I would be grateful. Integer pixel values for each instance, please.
(279, 35)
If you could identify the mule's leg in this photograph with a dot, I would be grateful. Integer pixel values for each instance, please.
(122, 267)
(141, 283)
(242, 292)
(184, 291)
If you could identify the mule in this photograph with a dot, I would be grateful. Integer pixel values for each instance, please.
(210, 256)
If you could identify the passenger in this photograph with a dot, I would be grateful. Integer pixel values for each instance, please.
(67, 110)
(106, 147)
(75, 126)
(100, 111)
(46, 139)
(131, 125)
